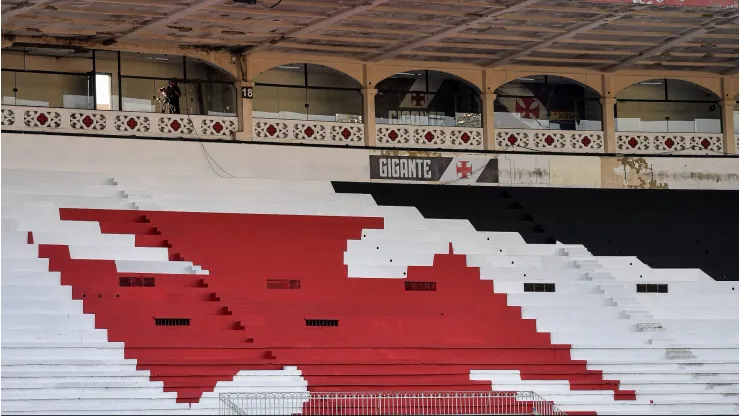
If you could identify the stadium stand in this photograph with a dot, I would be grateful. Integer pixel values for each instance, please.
(664, 228)
(153, 293)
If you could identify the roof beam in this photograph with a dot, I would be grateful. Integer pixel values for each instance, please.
(686, 36)
(572, 31)
(22, 7)
(318, 25)
(170, 18)
(445, 33)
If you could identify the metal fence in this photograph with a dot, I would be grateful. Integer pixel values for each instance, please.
(421, 403)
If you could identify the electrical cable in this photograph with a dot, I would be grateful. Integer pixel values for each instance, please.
(269, 7)
(209, 158)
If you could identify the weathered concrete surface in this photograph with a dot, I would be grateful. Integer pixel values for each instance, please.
(94, 154)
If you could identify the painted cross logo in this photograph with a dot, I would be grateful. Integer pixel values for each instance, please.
(528, 108)
(464, 170)
(418, 99)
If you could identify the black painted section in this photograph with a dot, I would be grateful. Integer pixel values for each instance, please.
(663, 228)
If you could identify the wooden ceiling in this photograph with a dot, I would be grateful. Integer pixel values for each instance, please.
(604, 34)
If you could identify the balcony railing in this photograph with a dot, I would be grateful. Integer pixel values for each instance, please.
(80, 121)
(299, 131)
(386, 403)
(121, 123)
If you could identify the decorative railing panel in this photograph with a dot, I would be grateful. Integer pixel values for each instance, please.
(386, 403)
(298, 131)
(550, 140)
(66, 120)
(670, 143)
(429, 136)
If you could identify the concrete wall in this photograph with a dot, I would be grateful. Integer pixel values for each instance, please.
(91, 154)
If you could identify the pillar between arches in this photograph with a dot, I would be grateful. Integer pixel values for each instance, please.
(246, 127)
(368, 115)
(489, 126)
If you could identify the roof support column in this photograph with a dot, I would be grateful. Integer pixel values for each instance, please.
(728, 127)
(608, 124)
(245, 114)
(368, 115)
(489, 126)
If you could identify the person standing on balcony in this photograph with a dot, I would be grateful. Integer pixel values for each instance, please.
(172, 95)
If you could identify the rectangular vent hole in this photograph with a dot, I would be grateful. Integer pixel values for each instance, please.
(283, 284)
(172, 321)
(420, 286)
(652, 288)
(539, 287)
(322, 322)
(136, 282)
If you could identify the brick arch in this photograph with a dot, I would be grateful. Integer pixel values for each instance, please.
(579, 78)
(257, 67)
(714, 85)
(472, 77)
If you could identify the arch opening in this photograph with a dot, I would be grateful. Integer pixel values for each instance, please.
(668, 106)
(52, 76)
(428, 98)
(547, 102)
(310, 92)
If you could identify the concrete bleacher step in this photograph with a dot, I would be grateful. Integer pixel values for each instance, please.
(25, 264)
(158, 266)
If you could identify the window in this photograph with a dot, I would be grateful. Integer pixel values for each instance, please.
(544, 102)
(539, 287)
(427, 98)
(667, 106)
(103, 98)
(307, 92)
(106, 80)
(652, 288)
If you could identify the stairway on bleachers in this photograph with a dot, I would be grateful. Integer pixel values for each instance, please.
(213, 263)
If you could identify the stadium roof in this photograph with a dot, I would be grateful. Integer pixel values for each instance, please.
(688, 35)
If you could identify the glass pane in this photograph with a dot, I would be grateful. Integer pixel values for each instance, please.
(414, 108)
(219, 99)
(13, 59)
(288, 74)
(335, 105)
(106, 63)
(404, 81)
(645, 90)
(265, 102)
(52, 90)
(668, 117)
(683, 90)
(322, 76)
(152, 65)
(204, 71)
(8, 86)
(48, 59)
(292, 103)
(557, 114)
(139, 94)
(191, 101)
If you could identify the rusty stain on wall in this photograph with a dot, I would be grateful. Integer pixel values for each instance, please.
(638, 174)
(629, 172)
